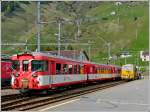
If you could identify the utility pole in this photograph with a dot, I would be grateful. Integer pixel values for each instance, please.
(26, 49)
(136, 33)
(118, 20)
(89, 52)
(74, 54)
(118, 15)
(125, 60)
(38, 26)
(59, 26)
(137, 59)
(108, 44)
(78, 26)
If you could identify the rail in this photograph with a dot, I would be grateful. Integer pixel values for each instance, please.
(31, 102)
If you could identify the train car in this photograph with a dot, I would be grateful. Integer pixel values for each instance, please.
(129, 72)
(42, 71)
(103, 72)
(6, 72)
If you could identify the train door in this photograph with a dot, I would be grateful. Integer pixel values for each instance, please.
(85, 69)
(52, 71)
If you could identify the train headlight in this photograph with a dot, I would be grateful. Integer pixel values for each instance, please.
(34, 75)
(16, 74)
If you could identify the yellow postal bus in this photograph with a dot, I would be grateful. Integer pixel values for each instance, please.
(129, 72)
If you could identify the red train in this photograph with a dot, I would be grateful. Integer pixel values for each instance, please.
(5, 71)
(42, 71)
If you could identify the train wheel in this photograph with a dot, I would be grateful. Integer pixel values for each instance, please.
(45, 92)
(24, 91)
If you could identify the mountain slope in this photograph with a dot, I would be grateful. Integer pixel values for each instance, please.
(124, 26)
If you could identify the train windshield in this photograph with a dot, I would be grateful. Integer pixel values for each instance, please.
(127, 67)
(39, 65)
(25, 65)
(15, 65)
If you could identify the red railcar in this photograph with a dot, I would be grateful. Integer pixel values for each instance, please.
(40, 71)
(5, 72)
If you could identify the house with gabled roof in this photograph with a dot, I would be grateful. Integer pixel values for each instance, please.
(144, 55)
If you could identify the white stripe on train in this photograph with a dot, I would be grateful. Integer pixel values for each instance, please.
(61, 78)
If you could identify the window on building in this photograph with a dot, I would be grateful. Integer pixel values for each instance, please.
(25, 65)
(39, 65)
(58, 68)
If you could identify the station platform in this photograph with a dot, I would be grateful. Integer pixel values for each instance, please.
(131, 96)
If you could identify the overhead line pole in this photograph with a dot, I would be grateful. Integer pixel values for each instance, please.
(108, 45)
(59, 24)
(78, 27)
(38, 26)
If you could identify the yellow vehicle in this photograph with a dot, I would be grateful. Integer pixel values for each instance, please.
(129, 72)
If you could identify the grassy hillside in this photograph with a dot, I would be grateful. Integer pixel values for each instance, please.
(126, 30)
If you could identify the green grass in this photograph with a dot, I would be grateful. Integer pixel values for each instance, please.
(122, 36)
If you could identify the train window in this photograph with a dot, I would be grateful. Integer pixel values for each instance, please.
(95, 71)
(39, 65)
(15, 64)
(105, 70)
(65, 68)
(81, 69)
(78, 70)
(25, 65)
(75, 69)
(108, 70)
(58, 68)
(70, 69)
(102, 70)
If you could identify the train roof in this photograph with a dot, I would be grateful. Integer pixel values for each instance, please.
(61, 57)
(49, 55)
(56, 56)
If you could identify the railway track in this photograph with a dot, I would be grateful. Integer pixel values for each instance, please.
(5, 87)
(30, 102)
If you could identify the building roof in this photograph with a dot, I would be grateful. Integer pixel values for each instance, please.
(145, 53)
(68, 53)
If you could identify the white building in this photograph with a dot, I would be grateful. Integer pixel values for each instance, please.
(125, 54)
(118, 3)
(144, 56)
